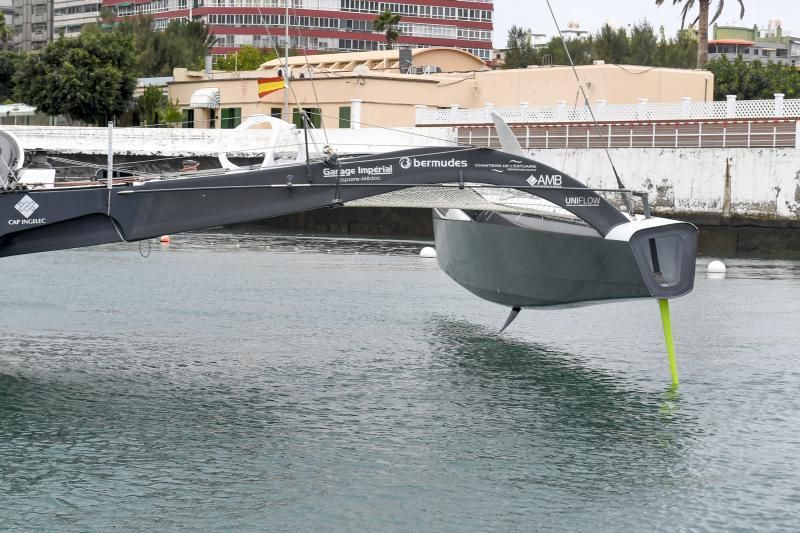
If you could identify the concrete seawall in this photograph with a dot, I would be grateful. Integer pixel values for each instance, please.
(733, 238)
(755, 184)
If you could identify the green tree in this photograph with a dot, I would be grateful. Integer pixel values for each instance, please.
(388, 23)
(702, 22)
(643, 45)
(9, 64)
(725, 77)
(6, 31)
(752, 80)
(150, 103)
(611, 45)
(187, 44)
(89, 78)
(580, 50)
(171, 114)
(782, 79)
(679, 52)
(246, 58)
(519, 52)
(181, 44)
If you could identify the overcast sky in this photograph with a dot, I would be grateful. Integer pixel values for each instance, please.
(592, 14)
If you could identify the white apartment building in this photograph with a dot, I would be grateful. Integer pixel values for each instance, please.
(33, 24)
(69, 16)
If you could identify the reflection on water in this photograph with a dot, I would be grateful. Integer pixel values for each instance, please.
(768, 269)
(260, 382)
(260, 241)
(548, 398)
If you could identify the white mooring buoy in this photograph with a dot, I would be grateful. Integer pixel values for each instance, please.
(716, 270)
(428, 252)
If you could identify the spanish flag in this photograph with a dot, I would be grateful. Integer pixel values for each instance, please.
(270, 85)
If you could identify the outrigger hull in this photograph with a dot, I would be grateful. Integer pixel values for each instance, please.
(527, 261)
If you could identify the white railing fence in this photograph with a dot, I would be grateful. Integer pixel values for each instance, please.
(686, 109)
(764, 133)
(187, 142)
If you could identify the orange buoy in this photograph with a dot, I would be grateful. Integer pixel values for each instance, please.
(164, 239)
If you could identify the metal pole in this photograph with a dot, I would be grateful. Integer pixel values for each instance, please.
(286, 67)
(305, 132)
(110, 169)
(110, 154)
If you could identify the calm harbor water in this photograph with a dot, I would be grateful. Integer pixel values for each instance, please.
(254, 382)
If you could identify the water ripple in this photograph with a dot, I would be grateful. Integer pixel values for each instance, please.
(236, 386)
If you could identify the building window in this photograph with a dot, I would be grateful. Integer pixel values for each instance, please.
(231, 117)
(312, 113)
(212, 118)
(344, 116)
(276, 112)
(188, 118)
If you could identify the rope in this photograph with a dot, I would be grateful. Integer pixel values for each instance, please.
(311, 77)
(141, 251)
(586, 100)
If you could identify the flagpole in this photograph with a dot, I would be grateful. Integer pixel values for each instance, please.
(286, 68)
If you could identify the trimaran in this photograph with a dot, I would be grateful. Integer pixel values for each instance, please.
(508, 228)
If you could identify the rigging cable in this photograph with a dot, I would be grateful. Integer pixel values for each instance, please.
(588, 105)
(287, 71)
(310, 77)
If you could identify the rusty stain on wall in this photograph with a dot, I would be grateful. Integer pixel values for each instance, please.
(726, 194)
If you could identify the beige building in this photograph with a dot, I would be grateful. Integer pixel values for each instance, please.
(372, 88)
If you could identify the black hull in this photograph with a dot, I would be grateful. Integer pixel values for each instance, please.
(535, 262)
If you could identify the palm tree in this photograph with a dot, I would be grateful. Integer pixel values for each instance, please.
(703, 22)
(388, 23)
